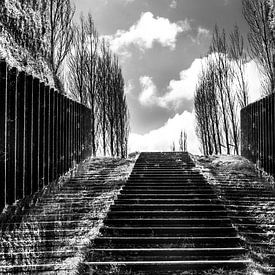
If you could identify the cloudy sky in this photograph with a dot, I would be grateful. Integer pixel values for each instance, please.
(161, 45)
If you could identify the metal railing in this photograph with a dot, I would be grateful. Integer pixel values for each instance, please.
(257, 133)
(42, 134)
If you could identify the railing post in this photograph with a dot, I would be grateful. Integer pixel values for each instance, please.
(71, 132)
(11, 136)
(257, 107)
(46, 136)
(41, 135)
(28, 142)
(272, 126)
(63, 135)
(66, 134)
(36, 131)
(51, 136)
(56, 135)
(20, 135)
(3, 124)
(77, 133)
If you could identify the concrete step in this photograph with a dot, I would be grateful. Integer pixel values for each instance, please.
(169, 180)
(167, 201)
(163, 207)
(166, 242)
(226, 231)
(179, 188)
(167, 192)
(169, 222)
(164, 254)
(167, 185)
(166, 214)
(162, 267)
(128, 195)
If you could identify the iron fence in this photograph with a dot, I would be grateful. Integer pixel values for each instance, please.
(42, 133)
(257, 133)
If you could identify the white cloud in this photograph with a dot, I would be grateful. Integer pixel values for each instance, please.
(148, 95)
(183, 88)
(173, 4)
(162, 139)
(146, 31)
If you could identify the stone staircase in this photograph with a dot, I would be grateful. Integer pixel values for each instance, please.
(166, 220)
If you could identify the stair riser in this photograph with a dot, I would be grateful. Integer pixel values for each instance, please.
(164, 188)
(166, 243)
(130, 195)
(114, 257)
(170, 215)
(139, 207)
(187, 232)
(167, 201)
(167, 223)
(164, 268)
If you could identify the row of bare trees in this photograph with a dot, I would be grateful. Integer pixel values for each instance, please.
(222, 88)
(95, 79)
(220, 93)
(84, 65)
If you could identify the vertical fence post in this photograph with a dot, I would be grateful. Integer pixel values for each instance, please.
(47, 135)
(77, 132)
(272, 137)
(28, 135)
(51, 136)
(258, 131)
(253, 136)
(11, 136)
(71, 132)
(55, 135)
(74, 132)
(3, 123)
(66, 134)
(63, 136)
(41, 135)
(36, 131)
(20, 136)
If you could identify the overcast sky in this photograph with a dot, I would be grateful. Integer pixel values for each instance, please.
(161, 45)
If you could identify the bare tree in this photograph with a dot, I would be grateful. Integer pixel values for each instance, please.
(239, 57)
(61, 13)
(77, 64)
(104, 74)
(256, 13)
(92, 81)
(218, 49)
